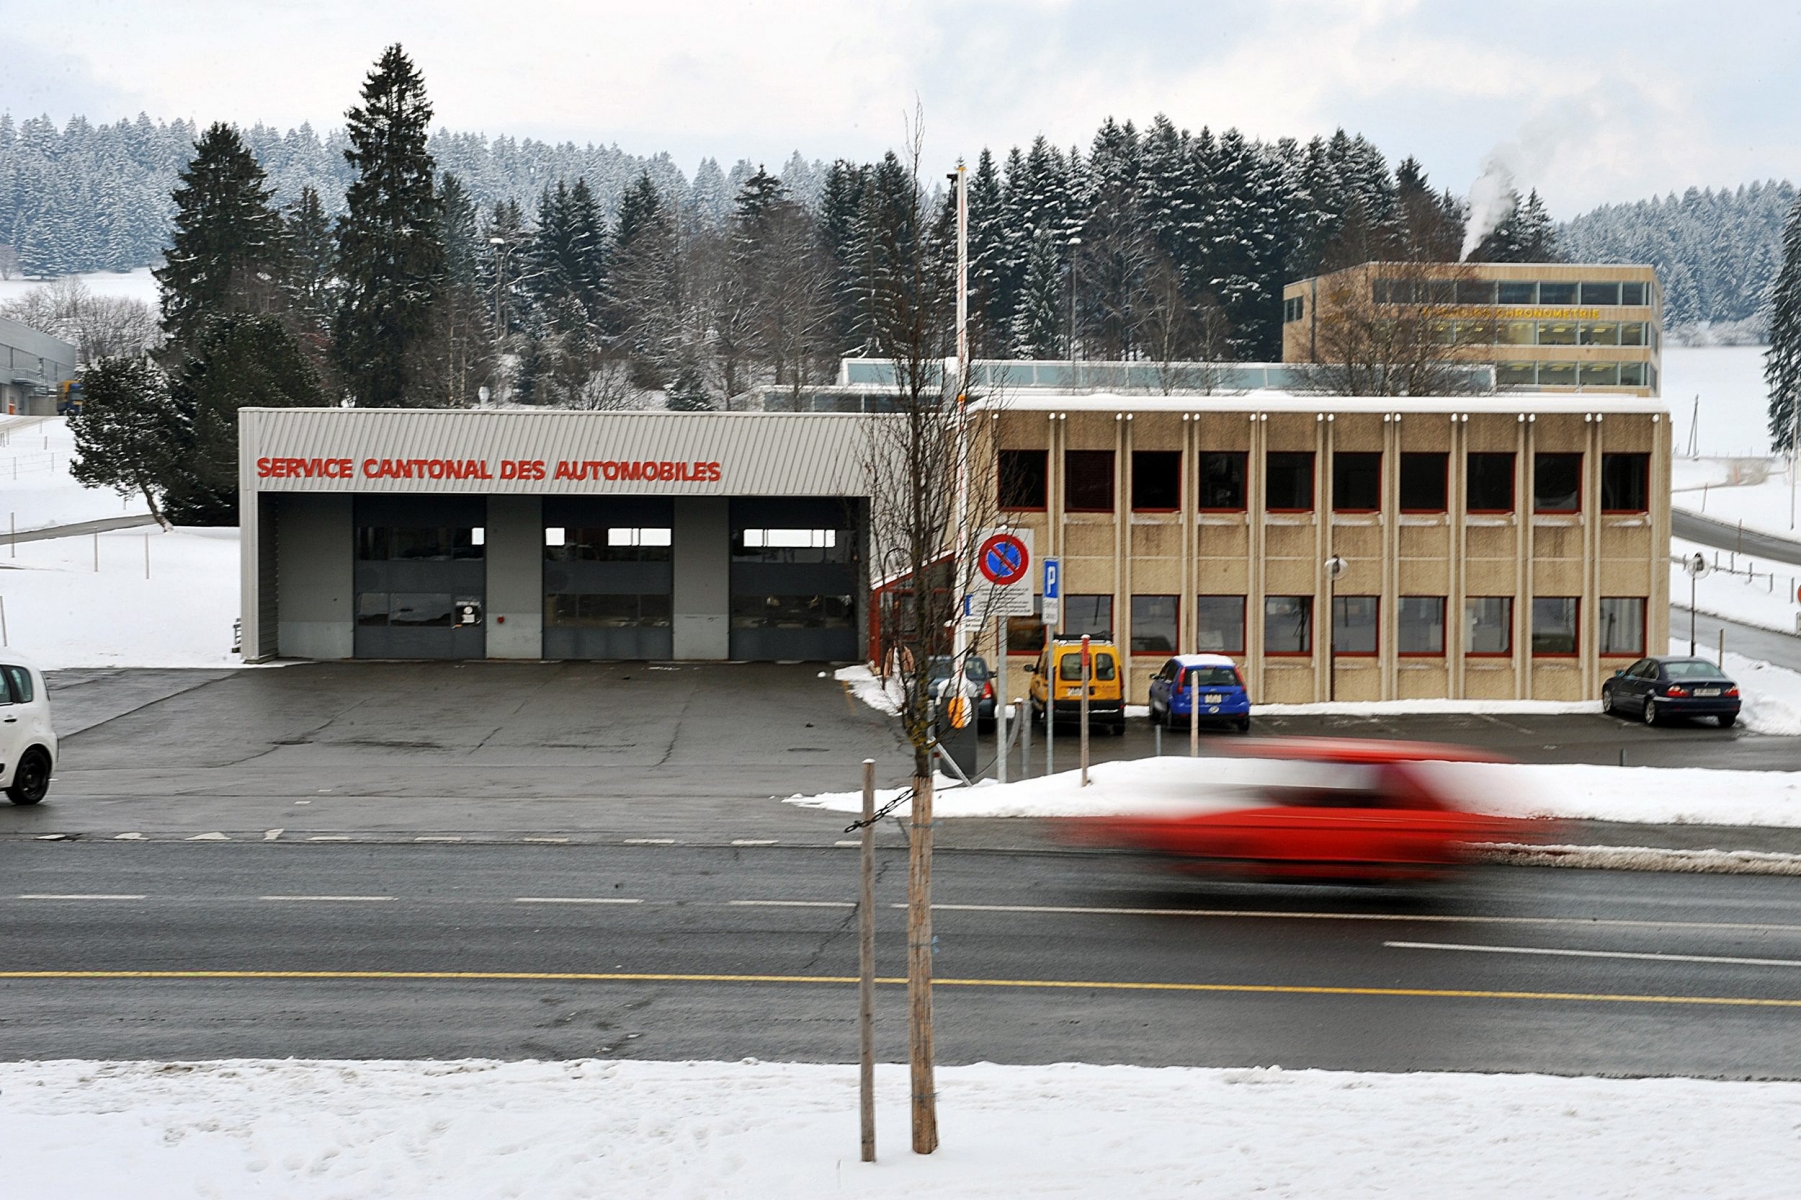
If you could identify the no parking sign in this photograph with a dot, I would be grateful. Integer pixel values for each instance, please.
(1003, 582)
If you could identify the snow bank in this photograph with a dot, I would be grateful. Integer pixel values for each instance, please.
(866, 686)
(644, 1129)
(1659, 795)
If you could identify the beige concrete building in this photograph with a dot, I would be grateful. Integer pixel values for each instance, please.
(1546, 327)
(1487, 554)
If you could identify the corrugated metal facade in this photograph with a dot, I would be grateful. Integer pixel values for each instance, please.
(758, 454)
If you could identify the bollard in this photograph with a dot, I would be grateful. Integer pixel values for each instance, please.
(1157, 736)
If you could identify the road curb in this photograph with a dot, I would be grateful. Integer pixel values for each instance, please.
(1642, 858)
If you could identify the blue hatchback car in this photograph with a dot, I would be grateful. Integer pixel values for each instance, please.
(1213, 680)
(1654, 688)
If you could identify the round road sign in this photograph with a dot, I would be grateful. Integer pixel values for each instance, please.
(1003, 560)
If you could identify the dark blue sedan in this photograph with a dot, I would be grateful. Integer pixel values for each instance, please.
(1655, 688)
(1212, 681)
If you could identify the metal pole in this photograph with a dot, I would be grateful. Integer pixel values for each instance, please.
(999, 679)
(1025, 737)
(4, 640)
(1086, 675)
(96, 553)
(1194, 713)
(13, 541)
(1074, 244)
(866, 966)
(146, 556)
(1722, 647)
(1332, 641)
(1050, 703)
(962, 276)
(1692, 580)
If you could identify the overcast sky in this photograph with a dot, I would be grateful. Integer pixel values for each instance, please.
(1589, 102)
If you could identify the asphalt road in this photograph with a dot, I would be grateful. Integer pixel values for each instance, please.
(1782, 649)
(1759, 547)
(726, 952)
(80, 528)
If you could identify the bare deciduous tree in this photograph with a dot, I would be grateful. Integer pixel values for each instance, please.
(1389, 331)
(97, 326)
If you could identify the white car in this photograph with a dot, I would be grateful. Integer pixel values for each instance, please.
(27, 741)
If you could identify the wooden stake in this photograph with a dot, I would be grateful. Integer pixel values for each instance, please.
(1194, 713)
(919, 971)
(866, 966)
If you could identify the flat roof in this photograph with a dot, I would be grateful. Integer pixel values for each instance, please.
(1289, 402)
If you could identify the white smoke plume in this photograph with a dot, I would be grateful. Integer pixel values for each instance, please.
(1492, 199)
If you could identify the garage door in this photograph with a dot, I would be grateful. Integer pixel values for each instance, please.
(794, 579)
(608, 577)
(421, 574)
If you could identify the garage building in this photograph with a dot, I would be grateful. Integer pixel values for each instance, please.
(552, 534)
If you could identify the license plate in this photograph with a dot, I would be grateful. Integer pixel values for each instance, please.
(1707, 691)
(1212, 699)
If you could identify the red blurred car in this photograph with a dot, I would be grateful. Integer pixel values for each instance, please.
(1322, 808)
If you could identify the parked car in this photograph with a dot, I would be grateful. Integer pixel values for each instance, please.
(1223, 698)
(27, 740)
(1658, 687)
(1319, 808)
(939, 669)
(1059, 671)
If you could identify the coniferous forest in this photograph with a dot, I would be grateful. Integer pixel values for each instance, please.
(585, 276)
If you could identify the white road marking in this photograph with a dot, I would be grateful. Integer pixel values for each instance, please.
(434, 838)
(74, 896)
(1644, 956)
(557, 841)
(850, 842)
(793, 903)
(270, 835)
(650, 841)
(209, 837)
(329, 837)
(128, 837)
(50, 837)
(753, 841)
(1401, 918)
(355, 899)
(574, 900)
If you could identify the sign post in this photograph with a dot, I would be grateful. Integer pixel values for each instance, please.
(1087, 674)
(1696, 566)
(999, 678)
(1053, 612)
(1335, 569)
(1194, 712)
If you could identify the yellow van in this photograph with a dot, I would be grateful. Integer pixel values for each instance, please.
(1060, 665)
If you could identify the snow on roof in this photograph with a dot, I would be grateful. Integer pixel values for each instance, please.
(1290, 402)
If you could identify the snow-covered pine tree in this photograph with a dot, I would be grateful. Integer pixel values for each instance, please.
(1038, 322)
(128, 437)
(227, 249)
(390, 258)
(311, 249)
(1782, 361)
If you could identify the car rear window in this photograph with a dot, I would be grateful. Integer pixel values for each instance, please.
(20, 679)
(1070, 669)
(1210, 677)
(1692, 668)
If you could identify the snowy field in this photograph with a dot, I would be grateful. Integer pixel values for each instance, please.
(156, 1131)
(62, 612)
(1760, 594)
(138, 284)
(1734, 404)
(1176, 783)
(1764, 506)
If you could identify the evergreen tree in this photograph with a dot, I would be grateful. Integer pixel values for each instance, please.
(227, 248)
(641, 204)
(390, 258)
(310, 254)
(1782, 361)
(989, 318)
(456, 357)
(128, 437)
(687, 394)
(1038, 322)
(238, 361)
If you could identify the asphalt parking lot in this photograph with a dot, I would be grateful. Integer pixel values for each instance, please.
(626, 750)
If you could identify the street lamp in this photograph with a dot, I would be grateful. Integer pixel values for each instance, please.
(1335, 569)
(501, 250)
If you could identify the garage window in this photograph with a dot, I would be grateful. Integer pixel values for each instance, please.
(404, 610)
(588, 610)
(790, 546)
(406, 543)
(791, 612)
(608, 544)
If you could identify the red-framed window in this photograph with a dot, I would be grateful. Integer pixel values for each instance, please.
(1420, 627)
(1088, 481)
(1021, 476)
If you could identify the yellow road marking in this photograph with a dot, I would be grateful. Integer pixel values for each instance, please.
(1054, 984)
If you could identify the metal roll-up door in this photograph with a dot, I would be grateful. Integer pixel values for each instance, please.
(608, 577)
(794, 579)
(420, 576)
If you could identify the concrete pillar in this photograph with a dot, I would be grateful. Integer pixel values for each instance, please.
(702, 578)
(315, 577)
(514, 605)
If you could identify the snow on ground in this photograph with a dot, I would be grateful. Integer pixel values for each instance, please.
(137, 284)
(36, 489)
(1763, 506)
(694, 1129)
(1734, 410)
(61, 612)
(1575, 791)
(1762, 595)
(1770, 696)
